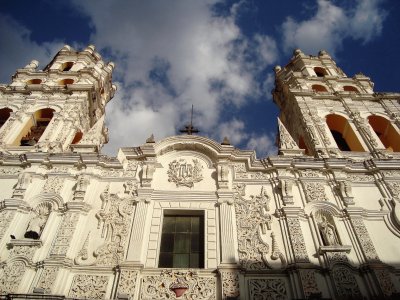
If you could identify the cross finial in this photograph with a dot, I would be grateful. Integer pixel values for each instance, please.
(189, 129)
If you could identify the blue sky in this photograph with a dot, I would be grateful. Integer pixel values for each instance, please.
(216, 55)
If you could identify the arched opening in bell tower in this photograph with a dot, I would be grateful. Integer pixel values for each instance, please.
(36, 126)
(343, 134)
(4, 115)
(320, 72)
(386, 132)
(319, 88)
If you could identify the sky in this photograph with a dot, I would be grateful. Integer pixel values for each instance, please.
(217, 55)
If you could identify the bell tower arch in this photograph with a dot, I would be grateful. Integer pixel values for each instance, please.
(60, 108)
(329, 114)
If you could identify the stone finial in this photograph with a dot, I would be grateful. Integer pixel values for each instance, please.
(226, 141)
(323, 53)
(32, 65)
(66, 48)
(90, 48)
(277, 68)
(111, 65)
(150, 139)
(297, 52)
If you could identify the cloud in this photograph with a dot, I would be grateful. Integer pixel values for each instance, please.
(263, 144)
(18, 49)
(170, 55)
(233, 130)
(331, 24)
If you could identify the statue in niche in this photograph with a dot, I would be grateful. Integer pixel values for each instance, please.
(328, 232)
(37, 222)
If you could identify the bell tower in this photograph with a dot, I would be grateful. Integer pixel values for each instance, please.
(328, 114)
(57, 109)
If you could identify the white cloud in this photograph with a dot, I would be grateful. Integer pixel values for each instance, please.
(331, 24)
(233, 130)
(198, 57)
(18, 49)
(263, 144)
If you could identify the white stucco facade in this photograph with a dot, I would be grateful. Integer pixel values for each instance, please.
(315, 222)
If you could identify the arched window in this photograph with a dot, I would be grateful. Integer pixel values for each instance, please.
(349, 88)
(320, 72)
(386, 132)
(66, 81)
(319, 88)
(67, 66)
(343, 134)
(34, 81)
(4, 115)
(36, 126)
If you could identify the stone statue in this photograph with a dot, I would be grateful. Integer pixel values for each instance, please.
(328, 232)
(37, 223)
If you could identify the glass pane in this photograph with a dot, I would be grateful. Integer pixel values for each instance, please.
(183, 224)
(182, 243)
(194, 260)
(181, 261)
(167, 242)
(195, 245)
(195, 224)
(165, 260)
(169, 224)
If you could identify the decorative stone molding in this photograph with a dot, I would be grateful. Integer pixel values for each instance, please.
(297, 240)
(81, 187)
(268, 289)
(127, 282)
(88, 286)
(186, 174)
(64, 234)
(345, 191)
(385, 282)
(24, 179)
(165, 285)
(315, 191)
(345, 282)
(6, 217)
(53, 184)
(230, 283)
(367, 247)
(286, 187)
(10, 276)
(47, 279)
(309, 283)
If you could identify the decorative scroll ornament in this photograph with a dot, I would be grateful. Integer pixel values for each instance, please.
(253, 221)
(285, 139)
(47, 279)
(264, 289)
(309, 283)
(185, 285)
(89, 286)
(314, 191)
(127, 282)
(230, 283)
(185, 174)
(345, 282)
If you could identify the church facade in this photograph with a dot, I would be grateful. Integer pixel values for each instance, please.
(187, 217)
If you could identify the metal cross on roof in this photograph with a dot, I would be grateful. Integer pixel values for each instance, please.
(189, 129)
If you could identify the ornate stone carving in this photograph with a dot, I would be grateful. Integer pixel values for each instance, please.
(81, 187)
(285, 139)
(64, 234)
(184, 173)
(320, 126)
(361, 178)
(230, 283)
(314, 191)
(364, 127)
(88, 286)
(297, 239)
(276, 253)
(345, 191)
(24, 179)
(6, 217)
(337, 257)
(9, 170)
(365, 241)
(327, 228)
(385, 282)
(127, 282)
(394, 188)
(265, 289)
(308, 282)
(38, 221)
(223, 172)
(250, 218)
(53, 184)
(47, 279)
(345, 282)
(114, 217)
(286, 186)
(11, 277)
(159, 287)
(131, 169)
